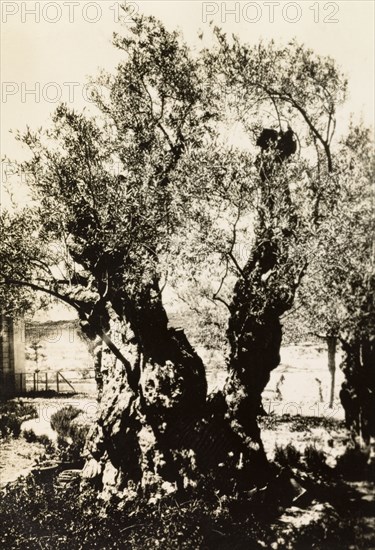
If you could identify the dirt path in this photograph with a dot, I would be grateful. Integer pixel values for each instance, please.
(356, 510)
(17, 458)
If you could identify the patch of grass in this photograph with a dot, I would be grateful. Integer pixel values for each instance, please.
(305, 423)
(353, 465)
(65, 518)
(329, 533)
(45, 394)
(299, 423)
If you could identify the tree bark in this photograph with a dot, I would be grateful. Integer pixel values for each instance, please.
(264, 292)
(358, 391)
(136, 445)
(331, 347)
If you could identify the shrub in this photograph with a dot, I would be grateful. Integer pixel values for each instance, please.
(71, 452)
(12, 414)
(62, 419)
(31, 437)
(68, 426)
(78, 433)
(10, 425)
(315, 459)
(287, 456)
(19, 408)
(353, 464)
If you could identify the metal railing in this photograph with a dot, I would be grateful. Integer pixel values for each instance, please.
(21, 383)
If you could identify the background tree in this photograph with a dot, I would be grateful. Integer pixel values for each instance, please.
(337, 295)
(334, 301)
(342, 249)
(105, 241)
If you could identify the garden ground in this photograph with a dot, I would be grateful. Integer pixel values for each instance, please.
(318, 499)
(309, 504)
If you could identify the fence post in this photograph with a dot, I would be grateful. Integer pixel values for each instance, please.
(34, 381)
(46, 381)
(57, 383)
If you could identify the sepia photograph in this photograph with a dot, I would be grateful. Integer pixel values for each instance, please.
(187, 275)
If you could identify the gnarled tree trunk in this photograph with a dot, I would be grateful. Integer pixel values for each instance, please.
(157, 431)
(143, 403)
(265, 291)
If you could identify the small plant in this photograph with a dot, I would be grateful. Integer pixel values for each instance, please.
(287, 456)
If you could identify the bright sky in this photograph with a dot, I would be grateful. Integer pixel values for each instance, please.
(47, 55)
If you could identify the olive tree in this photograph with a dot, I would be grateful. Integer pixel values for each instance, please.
(106, 241)
(337, 295)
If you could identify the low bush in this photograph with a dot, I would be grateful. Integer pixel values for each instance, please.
(71, 433)
(315, 460)
(62, 419)
(72, 451)
(12, 414)
(31, 437)
(19, 408)
(287, 456)
(10, 426)
(78, 433)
